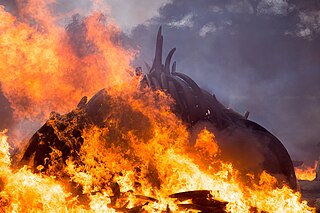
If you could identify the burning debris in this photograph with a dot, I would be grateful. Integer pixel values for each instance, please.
(146, 143)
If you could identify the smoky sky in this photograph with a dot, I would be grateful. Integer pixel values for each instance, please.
(127, 13)
(261, 56)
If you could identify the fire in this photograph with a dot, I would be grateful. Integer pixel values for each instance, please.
(306, 172)
(205, 141)
(40, 68)
(141, 155)
(97, 172)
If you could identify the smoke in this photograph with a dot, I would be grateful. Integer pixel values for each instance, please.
(253, 56)
(10, 5)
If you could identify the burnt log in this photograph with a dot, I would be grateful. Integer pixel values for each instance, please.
(200, 200)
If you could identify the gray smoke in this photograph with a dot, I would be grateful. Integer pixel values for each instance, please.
(260, 56)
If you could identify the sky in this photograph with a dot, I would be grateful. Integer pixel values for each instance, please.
(257, 56)
(261, 56)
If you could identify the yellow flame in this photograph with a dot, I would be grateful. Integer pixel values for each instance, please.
(23, 191)
(306, 172)
(141, 150)
(40, 70)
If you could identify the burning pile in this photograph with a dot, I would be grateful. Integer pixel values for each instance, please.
(124, 150)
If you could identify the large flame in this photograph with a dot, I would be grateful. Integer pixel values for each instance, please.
(139, 163)
(306, 172)
(159, 169)
(40, 69)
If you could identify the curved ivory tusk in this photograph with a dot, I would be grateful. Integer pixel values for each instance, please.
(148, 80)
(168, 61)
(174, 66)
(174, 94)
(189, 81)
(191, 99)
(155, 83)
(157, 62)
(82, 103)
(164, 82)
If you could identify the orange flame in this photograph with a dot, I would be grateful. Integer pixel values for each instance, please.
(176, 170)
(306, 172)
(143, 148)
(206, 142)
(40, 70)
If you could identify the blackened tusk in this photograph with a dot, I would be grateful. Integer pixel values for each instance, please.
(174, 66)
(157, 62)
(174, 93)
(82, 102)
(180, 88)
(189, 81)
(168, 61)
(191, 100)
(155, 83)
(148, 80)
(164, 81)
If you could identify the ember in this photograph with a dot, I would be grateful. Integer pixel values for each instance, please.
(158, 143)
